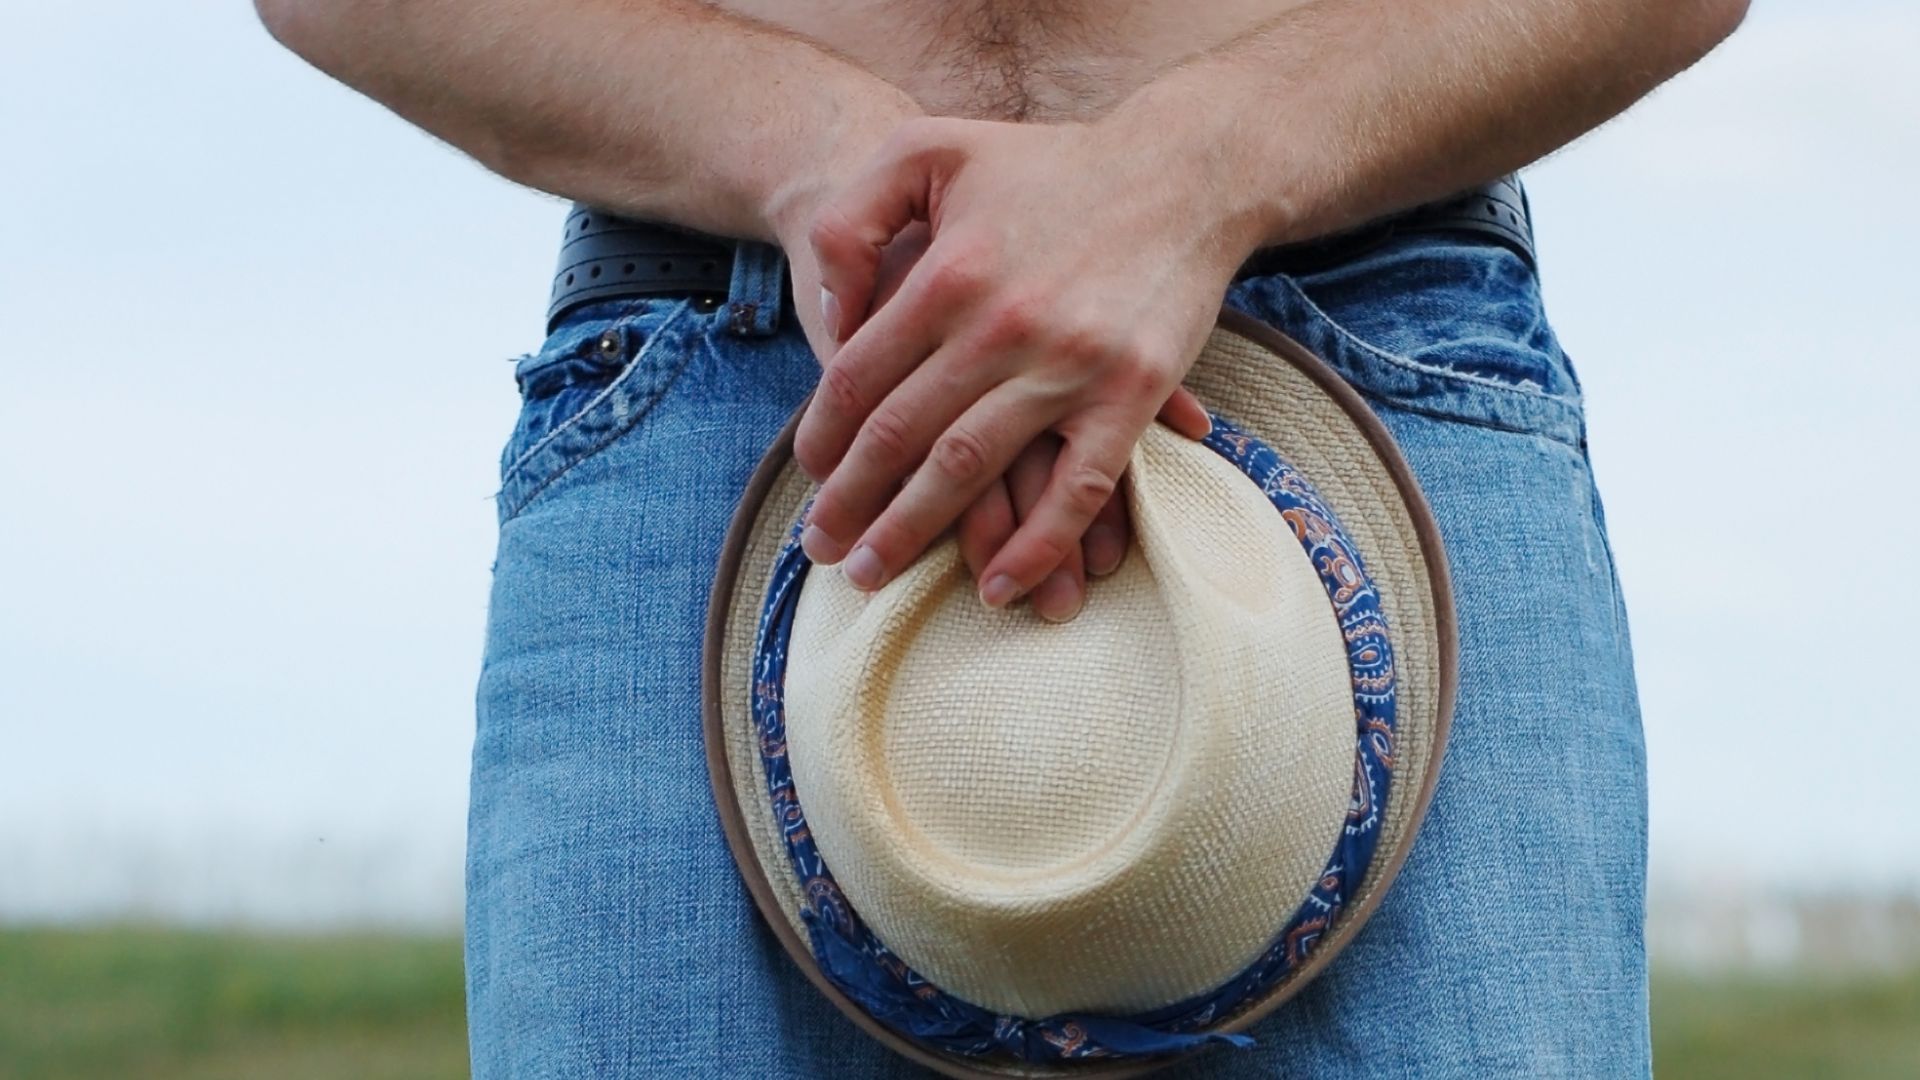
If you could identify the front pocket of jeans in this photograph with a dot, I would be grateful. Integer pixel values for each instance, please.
(1442, 325)
(592, 381)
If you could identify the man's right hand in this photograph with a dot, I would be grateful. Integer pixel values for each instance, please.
(988, 523)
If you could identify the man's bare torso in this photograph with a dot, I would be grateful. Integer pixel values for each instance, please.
(1009, 60)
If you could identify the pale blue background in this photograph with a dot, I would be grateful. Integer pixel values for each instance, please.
(255, 333)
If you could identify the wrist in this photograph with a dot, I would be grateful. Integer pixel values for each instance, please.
(1248, 198)
(822, 158)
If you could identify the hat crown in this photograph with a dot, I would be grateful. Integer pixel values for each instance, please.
(1107, 815)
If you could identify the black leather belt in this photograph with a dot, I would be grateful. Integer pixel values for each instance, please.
(1496, 210)
(604, 256)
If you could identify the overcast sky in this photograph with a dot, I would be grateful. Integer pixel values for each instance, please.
(256, 334)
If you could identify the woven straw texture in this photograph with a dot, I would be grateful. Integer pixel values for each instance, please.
(969, 827)
(1108, 815)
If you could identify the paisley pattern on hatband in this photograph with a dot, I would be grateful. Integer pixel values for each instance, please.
(856, 961)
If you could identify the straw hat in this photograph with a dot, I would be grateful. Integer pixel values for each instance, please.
(1012, 848)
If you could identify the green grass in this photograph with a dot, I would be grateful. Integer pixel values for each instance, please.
(161, 1004)
(1865, 1027)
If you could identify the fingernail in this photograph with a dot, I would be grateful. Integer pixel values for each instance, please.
(819, 546)
(1057, 599)
(1104, 550)
(863, 568)
(999, 592)
(830, 311)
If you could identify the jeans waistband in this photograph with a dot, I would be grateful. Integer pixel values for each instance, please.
(605, 256)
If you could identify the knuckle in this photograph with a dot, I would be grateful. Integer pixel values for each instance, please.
(1084, 346)
(832, 231)
(888, 434)
(1015, 322)
(957, 277)
(1044, 553)
(1085, 489)
(842, 390)
(960, 456)
(1139, 377)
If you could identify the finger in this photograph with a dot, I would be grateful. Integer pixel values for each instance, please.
(1184, 414)
(1061, 593)
(1027, 476)
(853, 384)
(1084, 477)
(851, 230)
(897, 261)
(985, 526)
(970, 454)
(893, 441)
(889, 348)
(1108, 537)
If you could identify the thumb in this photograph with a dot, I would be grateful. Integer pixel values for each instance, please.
(853, 227)
(1184, 414)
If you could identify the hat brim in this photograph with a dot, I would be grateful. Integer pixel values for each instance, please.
(1276, 390)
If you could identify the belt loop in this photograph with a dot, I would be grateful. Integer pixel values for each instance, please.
(754, 293)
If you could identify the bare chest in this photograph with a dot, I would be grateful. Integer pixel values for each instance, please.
(1047, 60)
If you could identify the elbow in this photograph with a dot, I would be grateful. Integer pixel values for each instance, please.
(282, 20)
(304, 26)
(1699, 25)
(1718, 19)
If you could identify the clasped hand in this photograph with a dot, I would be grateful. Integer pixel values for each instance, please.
(1003, 310)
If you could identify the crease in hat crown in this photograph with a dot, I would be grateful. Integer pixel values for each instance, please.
(1329, 466)
(1105, 816)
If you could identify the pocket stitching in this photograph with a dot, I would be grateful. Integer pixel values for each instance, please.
(1412, 366)
(508, 511)
(594, 402)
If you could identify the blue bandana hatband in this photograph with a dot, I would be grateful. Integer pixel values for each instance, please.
(863, 968)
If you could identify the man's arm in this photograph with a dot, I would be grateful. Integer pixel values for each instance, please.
(639, 106)
(1342, 110)
(635, 105)
(1074, 270)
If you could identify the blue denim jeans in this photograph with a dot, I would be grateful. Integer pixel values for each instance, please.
(607, 932)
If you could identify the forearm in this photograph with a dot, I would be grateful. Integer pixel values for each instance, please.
(1342, 110)
(665, 109)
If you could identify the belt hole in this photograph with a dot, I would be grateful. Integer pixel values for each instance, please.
(569, 279)
(594, 273)
(627, 270)
(666, 266)
(707, 267)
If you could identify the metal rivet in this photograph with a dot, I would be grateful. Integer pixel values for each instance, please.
(609, 344)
